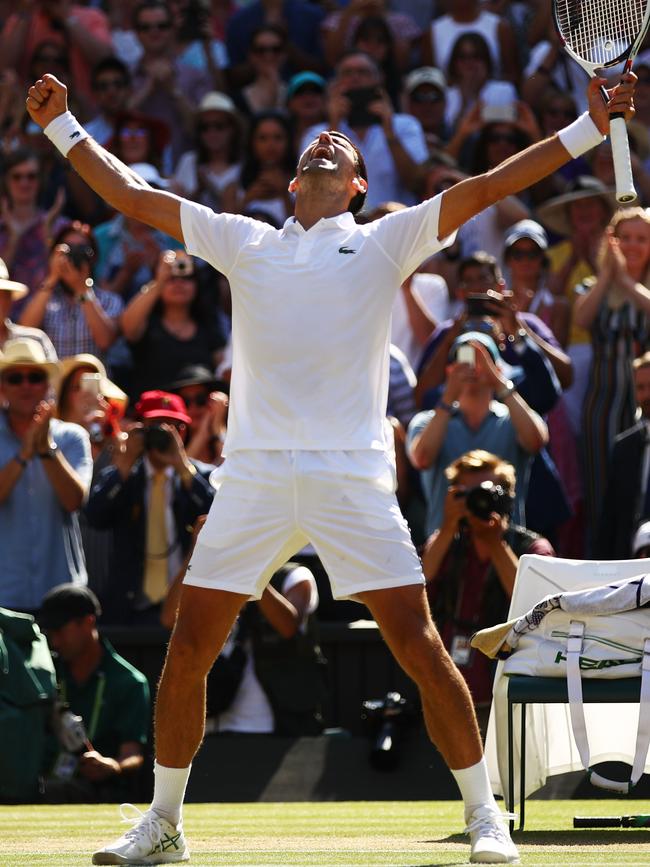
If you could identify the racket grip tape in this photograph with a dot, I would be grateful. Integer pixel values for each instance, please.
(625, 191)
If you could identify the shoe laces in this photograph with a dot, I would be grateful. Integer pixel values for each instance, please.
(490, 824)
(145, 825)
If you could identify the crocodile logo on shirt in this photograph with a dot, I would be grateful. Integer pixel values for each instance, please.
(346, 250)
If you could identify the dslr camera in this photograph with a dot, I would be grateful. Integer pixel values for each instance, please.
(78, 254)
(386, 720)
(156, 437)
(486, 498)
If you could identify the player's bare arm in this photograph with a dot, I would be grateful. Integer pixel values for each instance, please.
(520, 171)
(110, 178)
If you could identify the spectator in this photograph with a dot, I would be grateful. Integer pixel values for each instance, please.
(580, 216)
(107, 692)
(150, 494)
(424, 97)
(96, 404)
(165, 327)
(140, 138)
(12, 112)
(300, 20)
(615, 308)
(75, 315)
(466, 16)
(163, 86)
(470, 562)
(341, 27)
(374, 37)
(470, 69)
(83, 33)
(203, 173)
(393, 144)
(305, 103)
(45, 469)
(267, 167)
(626, 502)
(10, 292)
(479, 408)
(281, 688)
(207, 406)
(111, 84)
(25, 228)
(267, 55)
(196, 43)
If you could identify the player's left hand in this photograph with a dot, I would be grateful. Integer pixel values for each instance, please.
(621, 99)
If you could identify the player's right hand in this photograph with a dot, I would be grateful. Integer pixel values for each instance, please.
(46, 99)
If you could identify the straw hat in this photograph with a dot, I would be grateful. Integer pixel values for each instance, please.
(26, 352)
(554, 212)
(107, 387)
(18, 290)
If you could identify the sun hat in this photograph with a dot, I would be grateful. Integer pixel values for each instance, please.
(162, 404)
(300, 79)
(66, 602)
(553, 214)
(18, 290)
(526, 229)
(84, 359)
(217, 101)
(26, 352)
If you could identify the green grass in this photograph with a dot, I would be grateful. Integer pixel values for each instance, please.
(351, 834)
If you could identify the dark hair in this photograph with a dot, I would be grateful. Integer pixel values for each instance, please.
(275, 29)
(111, 64)
(14, 158)
(251, 165)
(481, 47)
(357, 201)
(480, 259)
(81, 229)
(234, 148)
(149, 4)
(193, 20)
(377, 25)
(479, 161)
(49, 43)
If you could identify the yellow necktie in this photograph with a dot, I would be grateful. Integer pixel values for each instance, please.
(155, 570)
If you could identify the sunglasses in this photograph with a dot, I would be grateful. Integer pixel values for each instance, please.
(110, 84)
(134, 132)
(196, 400)
(159, 25)
(34, 377)
(23, 176)
(525, 254)
(502, 138)
(431, 96)
(218, 125)
(267, 49)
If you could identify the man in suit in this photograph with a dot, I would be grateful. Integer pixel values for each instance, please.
(627, 498)
(151, 494)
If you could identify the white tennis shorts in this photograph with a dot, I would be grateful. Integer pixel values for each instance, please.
(269, 504)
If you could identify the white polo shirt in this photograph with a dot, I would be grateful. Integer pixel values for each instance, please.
(311, 321)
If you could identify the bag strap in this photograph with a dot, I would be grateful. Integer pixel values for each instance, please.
(576, 708)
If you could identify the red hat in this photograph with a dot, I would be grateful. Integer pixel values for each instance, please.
(162, 404)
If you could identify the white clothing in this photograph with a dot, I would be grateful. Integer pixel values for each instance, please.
(445, 32)
(569, 77)
(384, 184)
(270, 503)
(311, 321)
(432, 292)
(186, 175)
(482, 232)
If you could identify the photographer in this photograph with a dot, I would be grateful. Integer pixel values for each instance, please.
(77, 316)
(393, 144)
(470, 562)
(151, 494)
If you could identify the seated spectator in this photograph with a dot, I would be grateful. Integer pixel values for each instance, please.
(479, 408)
(470, 70)
(107, 692)
(268, 164)
(140, 138)
(203, 173)
(165, 326)
(207, 406)
(10, 292)
(374, 37)
(615, 308)
(267, 56)
(76, 315)
(305, 104)
(25, 228)
(424, 97)
(470, 562)
(163, 86)
(393, 144)
(150, 479)
(269, 675)
(111, 84)
(466, 16)
(626, 501)
(196, 44)
(45, 470)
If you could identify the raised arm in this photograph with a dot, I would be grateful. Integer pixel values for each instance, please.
(110, 178)
(469, 197)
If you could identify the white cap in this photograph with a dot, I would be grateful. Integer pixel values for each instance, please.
(498, 102)
(217, 101)
(150, 174)
(641, 537)
(425, 75)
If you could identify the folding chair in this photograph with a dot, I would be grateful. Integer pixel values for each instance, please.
(544, 736)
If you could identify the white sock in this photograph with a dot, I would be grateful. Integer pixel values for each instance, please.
(475, 788)
(169, 791)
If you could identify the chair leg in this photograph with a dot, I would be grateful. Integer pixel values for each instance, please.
(522, 768)
(511, 770)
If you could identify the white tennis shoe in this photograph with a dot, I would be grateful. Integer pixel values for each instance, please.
(489, 837)
(151, 840)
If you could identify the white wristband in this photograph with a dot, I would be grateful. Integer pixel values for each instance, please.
(581, 136)
(65, 132)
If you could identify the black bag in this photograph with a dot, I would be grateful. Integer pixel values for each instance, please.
(225, 677)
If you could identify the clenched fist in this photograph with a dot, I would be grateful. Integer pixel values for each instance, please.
(47, 98)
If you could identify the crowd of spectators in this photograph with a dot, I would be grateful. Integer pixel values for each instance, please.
(519, 364)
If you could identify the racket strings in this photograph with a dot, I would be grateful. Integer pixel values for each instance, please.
(600, 31)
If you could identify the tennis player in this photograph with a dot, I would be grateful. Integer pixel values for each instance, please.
(307, 446)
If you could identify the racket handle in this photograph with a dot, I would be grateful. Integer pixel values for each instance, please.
(625, 191)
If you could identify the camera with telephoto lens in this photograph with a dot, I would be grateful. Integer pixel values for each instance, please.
(385, 721)
(156, 437)
(487, 498)
(78, 254)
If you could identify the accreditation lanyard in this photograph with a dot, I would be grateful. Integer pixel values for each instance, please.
(97, 704)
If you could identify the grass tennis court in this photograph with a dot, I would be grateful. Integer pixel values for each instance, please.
(368, 834)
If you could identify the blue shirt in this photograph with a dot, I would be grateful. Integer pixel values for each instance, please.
(40, 542)
(496, 434)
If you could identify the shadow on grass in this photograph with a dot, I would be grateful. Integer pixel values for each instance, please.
(571, 838)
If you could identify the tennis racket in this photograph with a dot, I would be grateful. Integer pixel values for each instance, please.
(599, 34)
